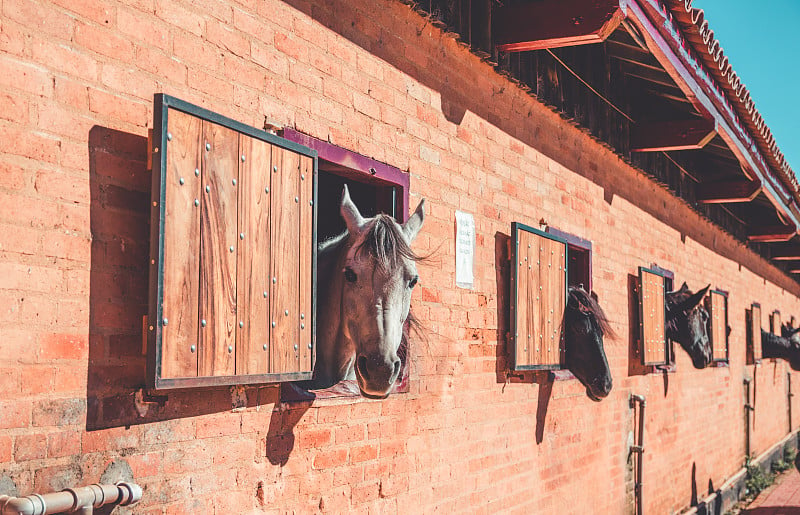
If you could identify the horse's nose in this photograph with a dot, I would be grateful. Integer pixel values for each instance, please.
(604, 385)
(377, 371)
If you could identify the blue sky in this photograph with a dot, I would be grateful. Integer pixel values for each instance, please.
(761, 42)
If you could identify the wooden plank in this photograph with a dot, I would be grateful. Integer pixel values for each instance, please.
(775, 323)
(673, 135)
(772, 233)
(560, 299)
(253, 272)
(181, 246)
(219, 240)
(755, 331)
(285, 253)
(652, 312)
(306, 250)
(524, 301)
(727, 192)
(554, 23)
(719, 337)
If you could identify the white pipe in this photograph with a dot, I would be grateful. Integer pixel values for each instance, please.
(71, 500)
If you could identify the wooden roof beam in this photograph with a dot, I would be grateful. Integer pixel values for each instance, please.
(677, 135)
(554, 23)
(727, 192)
(772, 233)
(785, 253)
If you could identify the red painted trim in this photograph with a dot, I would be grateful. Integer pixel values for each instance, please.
(368, 169)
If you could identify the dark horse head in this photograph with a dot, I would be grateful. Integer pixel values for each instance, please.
(687, 324)
(584, 327)
(787, 331)
(786, 347)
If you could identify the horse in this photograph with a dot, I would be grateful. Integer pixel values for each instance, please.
(687, 324)
(783, 347)
(584, 326)
(364, 281)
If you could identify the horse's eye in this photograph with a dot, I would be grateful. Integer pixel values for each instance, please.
(350, 275)
(413, 282)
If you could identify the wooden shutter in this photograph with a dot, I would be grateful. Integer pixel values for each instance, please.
(718, 311)
(775, 322)
(232, 252)
(539, 296)
(652, 318)
(754, 334)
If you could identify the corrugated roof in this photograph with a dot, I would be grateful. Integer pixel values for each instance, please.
(708, 49)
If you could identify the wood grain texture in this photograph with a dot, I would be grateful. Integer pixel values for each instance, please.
(653, 334)
(755, 331)
(524, 329)
(181, 263)
(285, 249)
(719, 322)
(253, 257)
(306, 209)
(775, 323)
(541, 282)
(217, 263)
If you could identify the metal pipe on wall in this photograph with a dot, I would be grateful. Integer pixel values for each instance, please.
(639, 450)
(747, 409)
(81, 500)
(789, 396)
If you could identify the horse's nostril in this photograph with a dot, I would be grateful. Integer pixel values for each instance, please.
(361, 364)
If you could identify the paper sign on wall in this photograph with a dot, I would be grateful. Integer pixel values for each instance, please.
(465, 249)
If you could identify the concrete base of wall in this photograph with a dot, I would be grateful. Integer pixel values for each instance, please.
(734, 488)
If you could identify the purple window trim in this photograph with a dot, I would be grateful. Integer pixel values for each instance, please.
(370, 168)
(576, 242)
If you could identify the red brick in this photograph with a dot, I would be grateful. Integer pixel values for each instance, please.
(219, 424)
(6, 448)
(15, 413)
(113, 106)
(65, 58)
(40, 17)
(104, 42)
(14, 107)
(363, 453)
(63, 346)
(115, 439)
(30, 447)
(27, 144)
(329, 458)
(96, 10)
(64, 443)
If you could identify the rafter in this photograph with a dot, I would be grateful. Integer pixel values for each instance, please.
(675, 135)
(554, 23)
(727, 192)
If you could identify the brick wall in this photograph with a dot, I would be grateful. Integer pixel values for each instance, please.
(77, 81)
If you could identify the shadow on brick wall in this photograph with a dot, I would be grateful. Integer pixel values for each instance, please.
(120, 223)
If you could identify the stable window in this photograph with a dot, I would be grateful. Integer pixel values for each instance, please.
(654, 349)
(717, 306)
(232, 252)
(374, 187)
(775, 323)
(754, 353)
(546, 264)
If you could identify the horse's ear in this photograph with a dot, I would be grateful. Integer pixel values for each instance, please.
(349, 211)
(414, 223)
(684, 286)
(694, 300)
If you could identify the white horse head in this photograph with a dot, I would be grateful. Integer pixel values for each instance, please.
(365, 279)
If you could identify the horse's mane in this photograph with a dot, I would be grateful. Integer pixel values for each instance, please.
(580, 300)
(385, 243)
